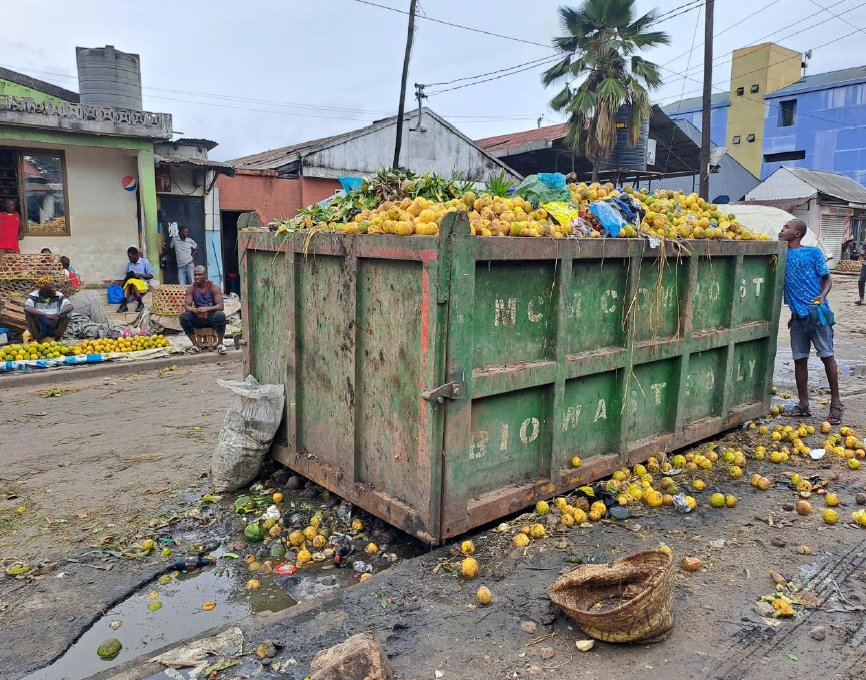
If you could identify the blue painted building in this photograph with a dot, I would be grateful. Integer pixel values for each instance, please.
(818, 123)
(690, 110)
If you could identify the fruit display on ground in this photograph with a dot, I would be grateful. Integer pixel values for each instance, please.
(406, 204)
(55, 350)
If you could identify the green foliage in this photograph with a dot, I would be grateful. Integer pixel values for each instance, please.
(499, 185)
(599, 46)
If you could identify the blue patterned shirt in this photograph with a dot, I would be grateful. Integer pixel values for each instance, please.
(803, 271)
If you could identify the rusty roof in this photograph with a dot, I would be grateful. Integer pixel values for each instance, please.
(516, 140)
(789, 205)
(224, 167)
(270, 160)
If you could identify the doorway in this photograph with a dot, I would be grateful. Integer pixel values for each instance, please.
(186, 211)
(229, 222)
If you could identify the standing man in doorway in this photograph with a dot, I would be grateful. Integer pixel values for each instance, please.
(184, 251)
(807, 284)
(204, 309)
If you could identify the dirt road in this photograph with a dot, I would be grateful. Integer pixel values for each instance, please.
(89, 474)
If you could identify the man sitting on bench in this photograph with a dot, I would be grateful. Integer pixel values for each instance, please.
(204, 309)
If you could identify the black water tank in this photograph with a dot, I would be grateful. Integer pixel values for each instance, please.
(623, 155)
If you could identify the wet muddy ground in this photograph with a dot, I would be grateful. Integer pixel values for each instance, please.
(116, 461)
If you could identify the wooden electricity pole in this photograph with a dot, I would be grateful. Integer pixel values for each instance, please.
(401, 106)
(706, 110)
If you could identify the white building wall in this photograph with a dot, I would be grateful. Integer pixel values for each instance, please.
(103, 217)
(434, 148)
(781, 184)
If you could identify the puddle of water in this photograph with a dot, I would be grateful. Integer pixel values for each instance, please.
(181, 615)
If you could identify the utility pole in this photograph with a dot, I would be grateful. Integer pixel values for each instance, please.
(401, 107)
(704, 189)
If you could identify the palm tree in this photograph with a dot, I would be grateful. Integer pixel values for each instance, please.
(600, 46)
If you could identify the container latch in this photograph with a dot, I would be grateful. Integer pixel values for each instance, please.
(447, 391)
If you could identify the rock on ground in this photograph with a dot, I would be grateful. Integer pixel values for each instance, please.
(361, 657)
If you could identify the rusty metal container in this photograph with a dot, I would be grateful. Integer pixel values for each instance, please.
(444, 382)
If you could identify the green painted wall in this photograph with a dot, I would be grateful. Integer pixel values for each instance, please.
(16, 90)
(146, 172)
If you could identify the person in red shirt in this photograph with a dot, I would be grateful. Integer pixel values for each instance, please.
(10, 223)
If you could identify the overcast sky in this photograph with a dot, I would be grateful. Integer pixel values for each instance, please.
(263, 74)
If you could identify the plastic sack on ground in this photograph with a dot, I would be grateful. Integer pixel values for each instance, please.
(534, 190)
(251, 421)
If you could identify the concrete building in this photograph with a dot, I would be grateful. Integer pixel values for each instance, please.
(277, 183)
(832, 206)
(187, 196)
(86, 178)
(773, 116)
(82, 174)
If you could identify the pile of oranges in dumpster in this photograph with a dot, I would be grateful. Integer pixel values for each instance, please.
(668, 214)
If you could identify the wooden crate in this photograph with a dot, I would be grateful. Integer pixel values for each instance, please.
(12, 315)
(206, 338)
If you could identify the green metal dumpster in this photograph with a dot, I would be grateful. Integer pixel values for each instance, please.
(443, 382)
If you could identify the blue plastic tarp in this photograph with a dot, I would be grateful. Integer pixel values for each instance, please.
(26, 365)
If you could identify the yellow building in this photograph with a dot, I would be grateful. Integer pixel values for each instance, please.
(755, 71)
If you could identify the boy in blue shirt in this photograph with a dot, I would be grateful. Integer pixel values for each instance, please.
(808, 282)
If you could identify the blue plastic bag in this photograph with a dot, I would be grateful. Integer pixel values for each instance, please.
(115, 294)
(555, 180)
(610, 218)
(350, 183)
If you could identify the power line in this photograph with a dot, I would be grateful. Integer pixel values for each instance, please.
(453, 25)
(827, 9)
(716, 35)
(791, 35)
(670, 15)
(694, 37)
(481, 75)
(487, 80)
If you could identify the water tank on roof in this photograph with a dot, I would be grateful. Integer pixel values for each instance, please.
(109, 77)
(623, 155)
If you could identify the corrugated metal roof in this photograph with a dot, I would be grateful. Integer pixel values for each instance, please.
(787, 204)
(277, 158)
(830, 183)
(209, 144)
(692, 103)
(515, 140)
(821, 80)
(225, 167)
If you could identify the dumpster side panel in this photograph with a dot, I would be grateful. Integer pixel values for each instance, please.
(325, 314)
(595, 309)
(267, 292)
(388, 377)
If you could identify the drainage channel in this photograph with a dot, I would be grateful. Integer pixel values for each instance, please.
(161, 613)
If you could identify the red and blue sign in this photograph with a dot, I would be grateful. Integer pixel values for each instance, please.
(128, 183)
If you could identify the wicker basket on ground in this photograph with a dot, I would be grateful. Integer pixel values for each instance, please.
(628, 600)
(849, 266)
(20, 272)
(168, 299)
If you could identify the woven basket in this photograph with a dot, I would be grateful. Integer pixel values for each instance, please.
(168, 300)
(850, 266)
(628, 600)
(19, 273)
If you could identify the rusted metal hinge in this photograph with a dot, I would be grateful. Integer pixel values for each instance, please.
(447, 391)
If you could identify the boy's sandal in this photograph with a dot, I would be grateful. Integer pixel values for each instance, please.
(799, 412)
(835, 419)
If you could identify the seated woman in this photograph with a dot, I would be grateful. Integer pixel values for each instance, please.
(135, 286)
